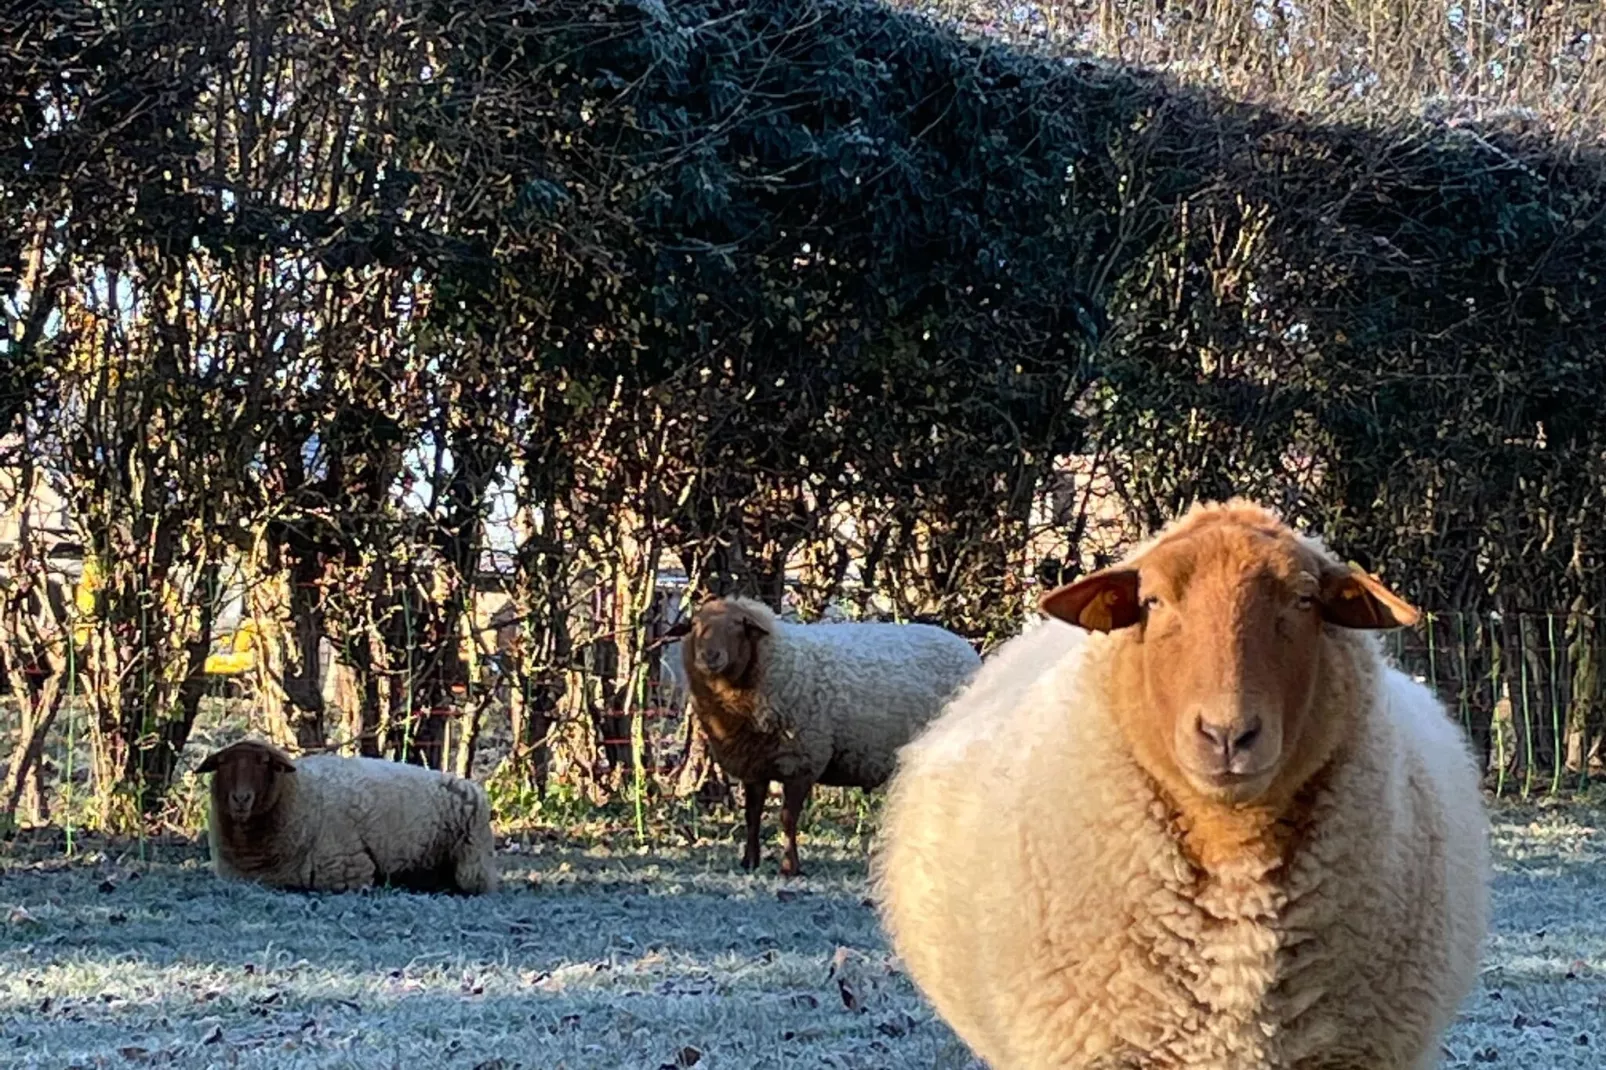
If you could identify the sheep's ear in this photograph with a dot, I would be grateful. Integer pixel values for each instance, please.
(1351, 597)
(754, 626)
(1100, 602)
(210, 763)
(280, 763)
(678, 630)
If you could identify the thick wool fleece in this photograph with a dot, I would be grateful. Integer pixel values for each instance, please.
(347, 823)
(838, 699)
(1035, 885)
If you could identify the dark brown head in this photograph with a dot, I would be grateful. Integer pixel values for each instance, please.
(1223, 623)
(722, 637)
(247, 778)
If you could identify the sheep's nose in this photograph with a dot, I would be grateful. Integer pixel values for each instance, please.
(714, 660)
(241, 799)
(1231, 739)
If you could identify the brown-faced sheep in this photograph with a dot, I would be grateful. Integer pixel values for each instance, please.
(810, 704)
(1207, 827)
(331, 824)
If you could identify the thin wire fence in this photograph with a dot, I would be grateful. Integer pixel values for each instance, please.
(1524, 687)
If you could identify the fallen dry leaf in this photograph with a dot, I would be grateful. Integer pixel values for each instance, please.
(19, 915)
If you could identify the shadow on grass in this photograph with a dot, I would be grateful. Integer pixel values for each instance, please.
(607, 960)
(558, 907)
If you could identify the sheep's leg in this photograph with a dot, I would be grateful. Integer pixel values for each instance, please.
(753, 792)
(794, 793)
(344, 872)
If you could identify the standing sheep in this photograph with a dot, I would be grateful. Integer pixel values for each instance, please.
(1219, 833)
(331, 824)
(810, 704)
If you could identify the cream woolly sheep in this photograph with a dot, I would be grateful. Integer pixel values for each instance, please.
(810, 704)
(1219, 833)
(332, 824)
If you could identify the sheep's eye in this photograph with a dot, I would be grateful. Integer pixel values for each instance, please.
(1150, 601)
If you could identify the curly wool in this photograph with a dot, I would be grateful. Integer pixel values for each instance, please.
(836, 700)
(1034, 881)
(348, 823)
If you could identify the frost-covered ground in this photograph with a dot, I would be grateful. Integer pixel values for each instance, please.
(592, 958)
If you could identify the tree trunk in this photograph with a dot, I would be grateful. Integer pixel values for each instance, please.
(301, 677)
(38, 700)
(35, 623)
(470, 726)
(613, 727)
(369, 736)
(533, 711)
(700, 776)
(1586, 719)
(1526, 678)
(35, 796)
(1465, 663)
(153, 761)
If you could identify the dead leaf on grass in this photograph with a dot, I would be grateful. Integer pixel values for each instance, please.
(847, 969)
(897, 1026)
(18, 915)
(686, 1057)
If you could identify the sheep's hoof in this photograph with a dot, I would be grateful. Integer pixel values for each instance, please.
(791, 868)
(749, 862)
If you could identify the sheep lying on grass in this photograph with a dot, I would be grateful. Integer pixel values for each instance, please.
(332, 824)
(810, 704)
(1219, 833)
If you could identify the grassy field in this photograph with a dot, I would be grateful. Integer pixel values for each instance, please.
(616, 958)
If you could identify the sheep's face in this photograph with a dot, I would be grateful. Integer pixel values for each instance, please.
(722, 640)
(1223, 627)
(247, 778)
